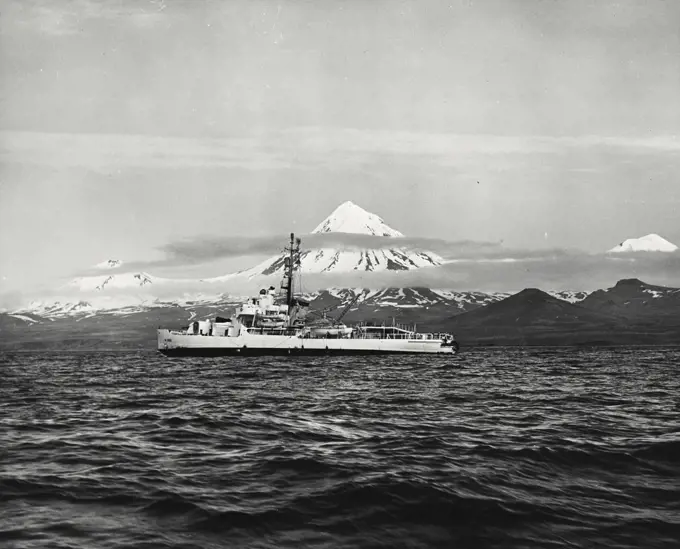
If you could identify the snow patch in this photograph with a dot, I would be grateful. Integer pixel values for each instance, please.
(655, 294)
(569, 295)
(123, 280)
(24, 318)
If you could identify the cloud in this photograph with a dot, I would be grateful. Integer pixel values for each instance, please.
(109, 153)
(70, 17)
(306, 149)
(447, 147)
(208, 249)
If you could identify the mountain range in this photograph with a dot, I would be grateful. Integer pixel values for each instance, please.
(122, 309)
(627, 314)
(631, 312)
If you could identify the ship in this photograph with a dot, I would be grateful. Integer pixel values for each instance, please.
(281, 323)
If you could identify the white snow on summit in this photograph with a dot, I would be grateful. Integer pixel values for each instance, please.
(650, 243)
(350, 218)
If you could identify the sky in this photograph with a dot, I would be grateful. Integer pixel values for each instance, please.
(127, 126)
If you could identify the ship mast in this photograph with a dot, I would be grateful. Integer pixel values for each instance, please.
(291, 263)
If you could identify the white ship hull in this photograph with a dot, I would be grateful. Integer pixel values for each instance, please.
(174, 343)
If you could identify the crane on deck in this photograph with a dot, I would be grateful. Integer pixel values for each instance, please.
(347, 308)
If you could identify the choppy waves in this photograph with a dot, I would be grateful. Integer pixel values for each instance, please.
(494, 448)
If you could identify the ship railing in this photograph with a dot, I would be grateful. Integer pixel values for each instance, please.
(369, 335)
(436, 336)
(413, 336)
(381, 335)
(273, 331)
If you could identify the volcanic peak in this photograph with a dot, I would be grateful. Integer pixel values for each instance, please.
(649, 243)
(350, 218)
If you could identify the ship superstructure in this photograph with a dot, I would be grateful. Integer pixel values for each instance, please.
(280, 322)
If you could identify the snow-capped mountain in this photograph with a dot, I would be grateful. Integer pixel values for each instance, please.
(120, 305)
(377, 300)
(370, 303)
(631, 312)
(649, 243)
(402, 298)
(390, 300)
(122, 280)
(350, 218)
(346, 218)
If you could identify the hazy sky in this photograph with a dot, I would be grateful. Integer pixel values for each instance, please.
(127, 125)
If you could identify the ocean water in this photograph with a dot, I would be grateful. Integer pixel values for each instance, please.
(495, 447)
